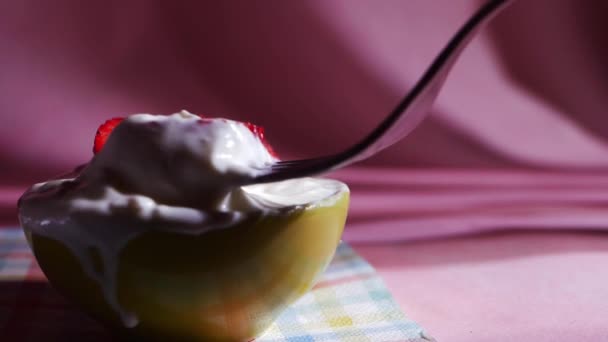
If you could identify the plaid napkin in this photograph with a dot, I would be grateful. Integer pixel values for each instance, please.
(350, 303)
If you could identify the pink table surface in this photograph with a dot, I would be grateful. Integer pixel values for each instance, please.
(533, 286)
(526, 260)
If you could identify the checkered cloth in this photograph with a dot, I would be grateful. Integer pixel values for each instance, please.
(350, 303)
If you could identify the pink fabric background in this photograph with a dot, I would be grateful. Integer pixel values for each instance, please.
(518, 139)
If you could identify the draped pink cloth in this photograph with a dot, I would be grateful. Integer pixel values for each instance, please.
(518, 138)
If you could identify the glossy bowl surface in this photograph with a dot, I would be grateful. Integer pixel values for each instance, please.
(224, 285)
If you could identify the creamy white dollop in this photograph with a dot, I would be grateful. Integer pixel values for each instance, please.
(179, 158)
(169, 173)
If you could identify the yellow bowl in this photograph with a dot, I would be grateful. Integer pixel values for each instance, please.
(225, 285)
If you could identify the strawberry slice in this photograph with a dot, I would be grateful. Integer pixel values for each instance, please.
(258, 131)
(103, 132)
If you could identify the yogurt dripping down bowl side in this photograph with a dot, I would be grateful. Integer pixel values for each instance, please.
(156, 269)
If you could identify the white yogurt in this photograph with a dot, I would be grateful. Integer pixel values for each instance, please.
(168, 173)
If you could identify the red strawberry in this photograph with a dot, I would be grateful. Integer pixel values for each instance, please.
(103, 132)
(258, 131)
